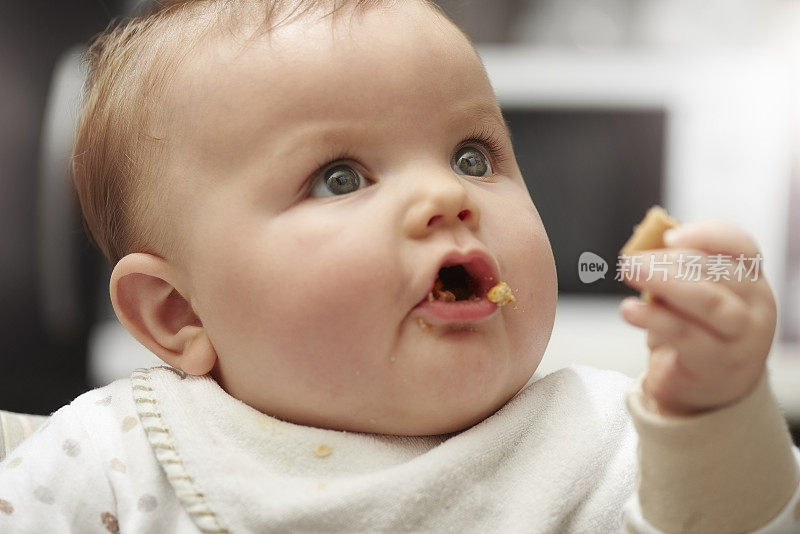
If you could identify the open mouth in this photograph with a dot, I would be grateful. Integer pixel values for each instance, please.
(454, 284)
(462, 279)
(458, 293)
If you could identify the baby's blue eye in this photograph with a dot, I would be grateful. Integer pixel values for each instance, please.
(472, 162)
(338, 180)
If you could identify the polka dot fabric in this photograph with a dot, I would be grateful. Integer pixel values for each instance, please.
(89, 470)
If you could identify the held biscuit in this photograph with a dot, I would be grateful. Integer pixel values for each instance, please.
(648, 235)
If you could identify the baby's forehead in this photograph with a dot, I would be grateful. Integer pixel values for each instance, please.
(367, 66)
(298, 41)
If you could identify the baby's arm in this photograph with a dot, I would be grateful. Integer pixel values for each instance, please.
(54, 482)
(714, 454)
(729, 470)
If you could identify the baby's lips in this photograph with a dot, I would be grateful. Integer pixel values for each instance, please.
(479, 265)
(438, 312)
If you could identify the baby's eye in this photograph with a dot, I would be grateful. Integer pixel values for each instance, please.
(337, 180)
(472, 162)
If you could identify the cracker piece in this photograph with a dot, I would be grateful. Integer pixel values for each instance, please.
(648, 235)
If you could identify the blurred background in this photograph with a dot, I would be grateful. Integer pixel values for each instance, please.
(614, 105)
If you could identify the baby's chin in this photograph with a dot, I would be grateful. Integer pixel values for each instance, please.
(434, 414)
(432, 386)
(444, 420)
(449, 392)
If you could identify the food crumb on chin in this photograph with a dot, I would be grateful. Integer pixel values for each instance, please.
(500, 294)
(422, 324)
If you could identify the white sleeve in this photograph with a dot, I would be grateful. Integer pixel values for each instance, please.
(786, 522)
(54, 481)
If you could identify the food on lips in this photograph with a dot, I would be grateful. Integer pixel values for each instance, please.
(500, 294)
(455, 284)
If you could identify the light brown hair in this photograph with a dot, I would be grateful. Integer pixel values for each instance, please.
(116, 151)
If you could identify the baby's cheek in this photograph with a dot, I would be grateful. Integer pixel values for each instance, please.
(325, 302)
(524, 245)
(530, 262)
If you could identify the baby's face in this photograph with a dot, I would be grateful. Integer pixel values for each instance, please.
(319, 186)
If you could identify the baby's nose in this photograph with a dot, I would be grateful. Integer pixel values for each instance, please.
(441, 200)
(463, 214)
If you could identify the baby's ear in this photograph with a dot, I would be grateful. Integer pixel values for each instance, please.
(148, 304)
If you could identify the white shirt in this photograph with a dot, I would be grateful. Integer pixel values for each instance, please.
(158, 453)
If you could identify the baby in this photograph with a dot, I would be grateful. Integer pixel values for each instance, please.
(306, 204)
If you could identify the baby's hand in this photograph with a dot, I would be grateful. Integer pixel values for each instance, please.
(708, 336)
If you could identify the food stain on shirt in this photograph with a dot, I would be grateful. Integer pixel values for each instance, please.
(323, 450)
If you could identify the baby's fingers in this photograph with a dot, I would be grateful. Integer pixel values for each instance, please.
(713, 237)
(711, 306)
(697, 350)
